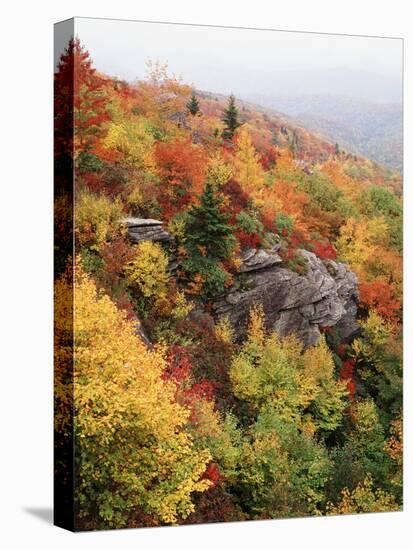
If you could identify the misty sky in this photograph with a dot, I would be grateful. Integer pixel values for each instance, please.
(249, 62)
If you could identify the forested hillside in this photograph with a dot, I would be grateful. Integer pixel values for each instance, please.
(178, 419)
(367, 128)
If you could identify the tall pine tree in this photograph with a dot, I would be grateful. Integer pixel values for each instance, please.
(207, 226)
(193, 105)
(209, 240)
(230, 119)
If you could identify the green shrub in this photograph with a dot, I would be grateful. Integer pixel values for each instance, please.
(249, 223)
(284, 223)
(213, 276)
(88, 162)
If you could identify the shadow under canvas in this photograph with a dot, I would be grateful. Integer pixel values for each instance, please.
(44, 514)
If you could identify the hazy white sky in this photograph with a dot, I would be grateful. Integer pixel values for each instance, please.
(247, 61)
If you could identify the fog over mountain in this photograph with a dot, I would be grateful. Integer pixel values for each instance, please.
(246, 61)
(374, 130)
(340, 81)
(349, 88)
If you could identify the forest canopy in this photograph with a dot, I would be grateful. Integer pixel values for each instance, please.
(176, 418)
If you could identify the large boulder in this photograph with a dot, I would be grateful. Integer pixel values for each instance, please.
(254, 260)
(326, 295)
(140, 229)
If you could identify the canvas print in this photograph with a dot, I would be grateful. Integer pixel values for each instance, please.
(228, 274)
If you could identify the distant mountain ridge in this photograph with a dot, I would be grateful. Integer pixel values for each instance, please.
(374, 130)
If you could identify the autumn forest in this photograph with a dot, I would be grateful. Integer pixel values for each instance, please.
(228, 308)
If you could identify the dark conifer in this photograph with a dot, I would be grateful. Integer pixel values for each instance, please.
(230, 119)
(193, 105)
(208, 227)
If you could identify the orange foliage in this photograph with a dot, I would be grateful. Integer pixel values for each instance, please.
(335, 172)
(285, 160)
(292, 202)
(379, 295)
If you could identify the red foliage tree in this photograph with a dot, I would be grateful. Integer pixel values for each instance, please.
(89, 100)
(346, 373)
(324, 250)
(212, 473)
(182, 169)
(116, 254)
(248, 240)
(179, 372)
(63, 103)
(215, 505)
(238, 198)
(268, 157)
(179, 364)
(211, 358)
(80, 103)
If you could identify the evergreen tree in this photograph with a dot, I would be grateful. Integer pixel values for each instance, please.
(230, 119)
(337, 149)
(209, 240)
(207, 227)
(193, 105)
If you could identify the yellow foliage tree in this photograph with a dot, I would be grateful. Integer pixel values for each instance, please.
(133, 454)
(376, 334)
(394, 448)
(97, 219)
(224, 330)
(363, 499)
(361, 240)
(274, 374)
(149, 270)
(249, 171)
(285, 161)
(219, 172)
(134, 141)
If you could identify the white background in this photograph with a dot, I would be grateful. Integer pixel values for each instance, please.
(26, 272)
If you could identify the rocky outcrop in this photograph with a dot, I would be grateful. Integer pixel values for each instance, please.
(140, 229)
(325, 296)
(255, 260)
